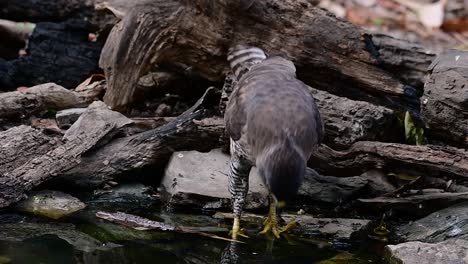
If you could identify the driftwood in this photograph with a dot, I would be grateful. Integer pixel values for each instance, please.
(140, 223)
(126, 154)
(20, 104)
(23, 143)
(190, 130)
(347, 121)
(444, 106)
(330, 54)
(57, 52)
(90, 129)
(420, 203)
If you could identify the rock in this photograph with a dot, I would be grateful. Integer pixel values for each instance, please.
(331, 228)
(453, 251)
(201, 179)
(345, 258)
(52, 204)
(24, 230)
(66, 118)
(329, 189)
(125, 196)
(439, 226)
(334, 228)
(444, 105)
(378, 182)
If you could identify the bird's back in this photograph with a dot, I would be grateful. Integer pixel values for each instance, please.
(270, 105)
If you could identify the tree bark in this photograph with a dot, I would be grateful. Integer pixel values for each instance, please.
(90, 129)
(20, 104)
(23, 143)
(365, 155)
(330, 54)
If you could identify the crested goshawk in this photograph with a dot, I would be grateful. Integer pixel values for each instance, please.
(274, 124)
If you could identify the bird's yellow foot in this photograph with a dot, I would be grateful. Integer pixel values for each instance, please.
(236, 230)
(271, 223)
(271, 227)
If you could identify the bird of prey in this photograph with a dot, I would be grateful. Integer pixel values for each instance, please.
(274, 124)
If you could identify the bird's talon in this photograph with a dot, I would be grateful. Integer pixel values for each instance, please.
(289, 226)
(236, 230)
(239, 233)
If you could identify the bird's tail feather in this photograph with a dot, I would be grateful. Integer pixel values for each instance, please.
(241, 58)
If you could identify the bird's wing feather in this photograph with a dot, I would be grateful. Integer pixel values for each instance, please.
(235, 117)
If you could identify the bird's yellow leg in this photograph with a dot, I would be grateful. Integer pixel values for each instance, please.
(236, 230)
(271, 223)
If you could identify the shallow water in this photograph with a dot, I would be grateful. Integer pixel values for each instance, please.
(83, 238)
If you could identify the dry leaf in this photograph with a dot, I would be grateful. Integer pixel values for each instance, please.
(93, 78)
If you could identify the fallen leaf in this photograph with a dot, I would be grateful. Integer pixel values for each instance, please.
(91, 79)
(456, 24)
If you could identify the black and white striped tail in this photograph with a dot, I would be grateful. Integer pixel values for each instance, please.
(241, 58)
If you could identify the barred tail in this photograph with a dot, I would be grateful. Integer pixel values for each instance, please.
(241, 58)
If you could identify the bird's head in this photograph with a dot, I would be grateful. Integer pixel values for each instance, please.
(283, 169)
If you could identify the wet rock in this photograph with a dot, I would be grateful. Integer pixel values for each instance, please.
(344, 258)
(52, 204)
(331, 228)
(21, 231)
(439, 226)
(201, 179)
(125, 196)
(66, 118)
(453, 251)
(329, 189)
(334, 228)
(378, 182)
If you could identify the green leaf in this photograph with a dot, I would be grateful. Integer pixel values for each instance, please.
(413, 133)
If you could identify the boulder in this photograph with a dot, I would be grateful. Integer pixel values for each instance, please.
(201, 179)
(453, 251)
(15, 232)
(439, 226)
(52, 204)
(330, 189)
(444, 105)
(330, 228)
(195, 179)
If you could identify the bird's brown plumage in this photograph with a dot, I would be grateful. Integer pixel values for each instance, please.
(268, 105)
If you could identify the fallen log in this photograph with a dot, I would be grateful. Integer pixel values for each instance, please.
(92, 128)
(346, 121)
(191, 130)
(364, 155)
(444, 106)
(329, 53)
(21, 104)
(23, 143)
(126, 154)
(419, 204)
